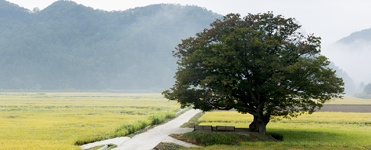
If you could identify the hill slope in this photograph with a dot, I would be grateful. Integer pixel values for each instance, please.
(70, 46)
(363, 35)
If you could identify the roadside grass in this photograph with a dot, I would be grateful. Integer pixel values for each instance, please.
(321, 130)
(58, 120)
(167, 146)
(193, 121)
(101, 146)
(96, 147)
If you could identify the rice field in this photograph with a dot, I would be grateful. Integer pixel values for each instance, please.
(57, 120)
(349, 100)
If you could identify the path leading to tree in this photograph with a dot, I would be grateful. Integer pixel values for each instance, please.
(149, 139)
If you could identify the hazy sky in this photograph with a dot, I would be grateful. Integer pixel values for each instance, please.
(329, 19)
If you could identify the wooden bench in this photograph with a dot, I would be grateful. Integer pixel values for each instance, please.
(203, 128)
(225, 128)
(216, 128)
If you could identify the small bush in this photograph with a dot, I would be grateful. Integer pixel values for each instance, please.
(160, 117)
(157, 119)
(122, 132)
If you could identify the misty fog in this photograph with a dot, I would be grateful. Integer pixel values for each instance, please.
(353, 57)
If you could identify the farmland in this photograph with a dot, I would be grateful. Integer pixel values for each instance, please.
(57, 120)
(320, 130)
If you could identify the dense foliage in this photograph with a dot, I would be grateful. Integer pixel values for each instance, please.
(259, 65)
(70, 46)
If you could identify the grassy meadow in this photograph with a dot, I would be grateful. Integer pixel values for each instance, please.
(57, 120)
(320, 130)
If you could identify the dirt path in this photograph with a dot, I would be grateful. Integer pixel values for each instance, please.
(346, 108)
(152, 137)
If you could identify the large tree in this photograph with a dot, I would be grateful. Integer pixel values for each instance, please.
(260, 64)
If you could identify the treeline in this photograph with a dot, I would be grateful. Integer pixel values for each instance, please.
(349, 85)
(366, 91)
(68, 46)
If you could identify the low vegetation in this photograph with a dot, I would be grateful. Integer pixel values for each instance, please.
(96, 147)
(193, 121)
(167, 146)
(101, 146)
(57, 120)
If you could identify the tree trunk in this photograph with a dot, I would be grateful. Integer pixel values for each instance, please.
(262, 126)
(253, 126)
(259, 125)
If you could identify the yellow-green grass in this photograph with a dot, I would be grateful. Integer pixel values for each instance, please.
(57, 120)
(349, 100)
(321, 130)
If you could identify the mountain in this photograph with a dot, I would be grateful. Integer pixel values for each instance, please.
(71, 46)
(363, 35)
(352, 54)
(12, 17)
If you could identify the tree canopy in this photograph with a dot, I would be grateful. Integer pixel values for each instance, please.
(260, 64)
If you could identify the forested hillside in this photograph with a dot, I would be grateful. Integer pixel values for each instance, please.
(349, 85)
(68, 46)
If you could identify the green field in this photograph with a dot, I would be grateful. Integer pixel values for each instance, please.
(350, 100)
(321, 130)
(58, 120)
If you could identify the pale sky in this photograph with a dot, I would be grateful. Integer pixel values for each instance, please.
(329, 19)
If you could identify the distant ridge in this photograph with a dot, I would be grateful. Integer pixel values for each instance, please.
(364, 35)
(68, 46)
